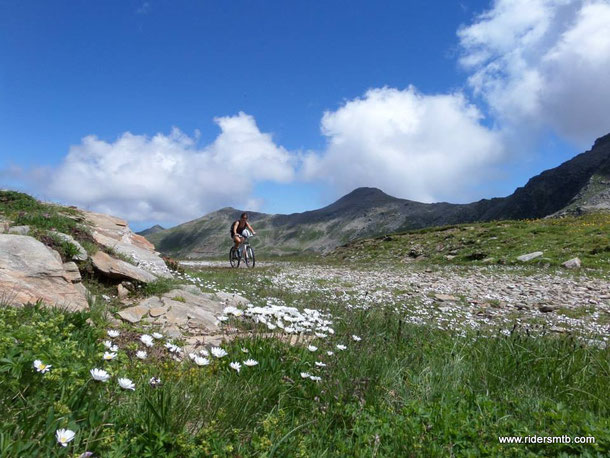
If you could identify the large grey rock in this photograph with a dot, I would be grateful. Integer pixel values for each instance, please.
(573, 263)
(82, 253)
(119, 269)
(114, 233)
(530, 256)
(30, 272)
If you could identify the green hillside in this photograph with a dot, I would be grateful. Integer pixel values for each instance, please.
(560, 239)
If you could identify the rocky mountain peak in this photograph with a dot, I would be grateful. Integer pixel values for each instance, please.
(602, 141)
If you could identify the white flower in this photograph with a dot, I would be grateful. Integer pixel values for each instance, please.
(108, 356)
(341, 347)
(173, 348)
(223, 318)
(154, 381)
(356, 338)
(141, 354)
(330, 353)
(230, 310)
(204, 352)
(321, 335)
(250, 362)
(201, 361)
(218, 352)
(147, 340)
(305, 375)
(312, 348)
(156, 335)
(320, 364)
(41, 367)
(126, 384)
(108, 344)
(244, 350)
(315, 378)
(64, 436)
(99, 374)
(113, 333)
(235, 366)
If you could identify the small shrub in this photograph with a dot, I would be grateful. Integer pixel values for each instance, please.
(173, 264)
(158, 287)
(67, 250)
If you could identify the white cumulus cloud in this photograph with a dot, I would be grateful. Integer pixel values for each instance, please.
(543, 64)
(422, 147)
(170, 177)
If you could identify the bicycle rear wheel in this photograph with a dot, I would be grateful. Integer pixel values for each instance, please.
(234, 258)
(250, 256)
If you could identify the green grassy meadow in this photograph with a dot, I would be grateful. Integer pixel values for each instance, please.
(403, 390)
(397, 389)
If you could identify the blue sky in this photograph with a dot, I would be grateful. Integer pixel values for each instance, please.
(73, 69)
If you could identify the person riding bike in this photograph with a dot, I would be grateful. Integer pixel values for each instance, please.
(237, 229)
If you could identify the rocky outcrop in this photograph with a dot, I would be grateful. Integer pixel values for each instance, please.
(183, 311)
(114, 233)
(29, 272)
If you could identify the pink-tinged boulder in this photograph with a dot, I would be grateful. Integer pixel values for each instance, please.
(119, 269)
(114, 233)
(29, 271)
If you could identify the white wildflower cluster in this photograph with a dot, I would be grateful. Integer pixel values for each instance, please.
(309, 376)
(175, 349)
(287, 319)
(411, 293)
(158, 268)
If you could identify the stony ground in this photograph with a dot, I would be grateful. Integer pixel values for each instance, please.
(451, 297)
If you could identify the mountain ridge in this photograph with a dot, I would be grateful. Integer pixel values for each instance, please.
(580, 184)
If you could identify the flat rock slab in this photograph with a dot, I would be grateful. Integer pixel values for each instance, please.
(29, 272)
(119, 269)
(530, 256)
(133, 314)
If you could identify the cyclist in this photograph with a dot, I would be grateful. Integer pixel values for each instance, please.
(237, 230)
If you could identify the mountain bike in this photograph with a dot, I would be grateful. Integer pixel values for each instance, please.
(245, 252)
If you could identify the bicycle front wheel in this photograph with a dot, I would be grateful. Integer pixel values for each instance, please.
(250, 256)
(234, 257)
